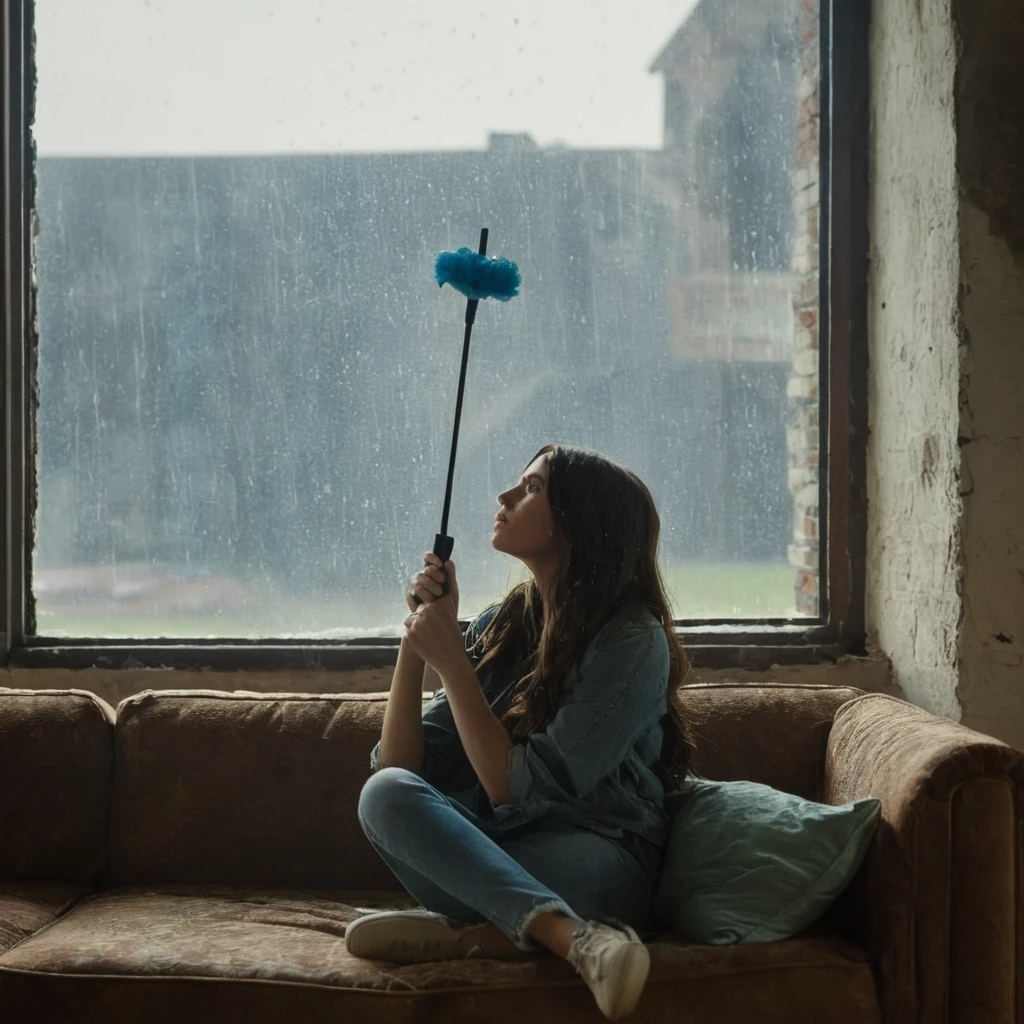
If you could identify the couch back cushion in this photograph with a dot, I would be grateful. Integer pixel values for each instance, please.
(774, 733)
(56, 763)
(257, 788)
(219, 787)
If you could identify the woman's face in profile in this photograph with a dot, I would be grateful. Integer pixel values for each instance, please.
(525, 526)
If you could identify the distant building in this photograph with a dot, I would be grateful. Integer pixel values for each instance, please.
(730, 148)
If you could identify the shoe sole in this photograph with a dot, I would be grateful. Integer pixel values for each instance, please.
(404, 940)
(417, 939)
(628, 982)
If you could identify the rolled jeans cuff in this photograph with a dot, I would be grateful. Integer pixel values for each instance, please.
(524, 940)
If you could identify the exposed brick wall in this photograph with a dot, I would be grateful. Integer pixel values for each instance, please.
(802, 437)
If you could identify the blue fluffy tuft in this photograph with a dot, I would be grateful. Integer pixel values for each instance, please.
(476, 276)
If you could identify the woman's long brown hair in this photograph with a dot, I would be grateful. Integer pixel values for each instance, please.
(607, 518)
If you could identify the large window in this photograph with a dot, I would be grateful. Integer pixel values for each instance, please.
(236, 395)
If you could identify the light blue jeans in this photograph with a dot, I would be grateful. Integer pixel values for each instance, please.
(443, 856)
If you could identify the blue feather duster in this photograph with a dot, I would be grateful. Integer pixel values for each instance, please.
(476, 276)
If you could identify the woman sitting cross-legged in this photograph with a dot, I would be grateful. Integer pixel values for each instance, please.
(523, 806)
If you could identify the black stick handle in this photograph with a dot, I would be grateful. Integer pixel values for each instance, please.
(470, 314)
(443, 544)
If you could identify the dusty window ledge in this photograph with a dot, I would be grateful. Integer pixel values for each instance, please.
(708, 646)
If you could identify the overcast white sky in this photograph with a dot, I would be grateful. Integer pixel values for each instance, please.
(265, 76)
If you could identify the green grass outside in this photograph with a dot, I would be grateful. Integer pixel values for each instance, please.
(697, 591)
(733, 590)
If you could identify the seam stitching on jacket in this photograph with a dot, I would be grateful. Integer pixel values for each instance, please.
(619, 698)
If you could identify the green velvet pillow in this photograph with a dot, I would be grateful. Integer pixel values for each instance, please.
(749, 863)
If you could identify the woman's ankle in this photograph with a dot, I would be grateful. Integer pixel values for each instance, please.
(553, 929)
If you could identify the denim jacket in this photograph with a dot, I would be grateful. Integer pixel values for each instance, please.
(593, 765)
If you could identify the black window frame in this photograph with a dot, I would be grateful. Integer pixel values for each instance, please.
(716, 643)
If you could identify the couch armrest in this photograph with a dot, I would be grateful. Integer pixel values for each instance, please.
(938, 903)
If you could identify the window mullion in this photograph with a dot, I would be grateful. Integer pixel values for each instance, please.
(18, 468)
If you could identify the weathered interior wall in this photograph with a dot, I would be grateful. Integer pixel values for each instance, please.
(913, 606)
(990, 159)
(946, 346)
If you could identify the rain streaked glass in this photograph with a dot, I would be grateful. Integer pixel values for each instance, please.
(247, 372)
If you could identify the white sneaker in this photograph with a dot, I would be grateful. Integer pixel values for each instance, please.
(613, 962)
(417, 936)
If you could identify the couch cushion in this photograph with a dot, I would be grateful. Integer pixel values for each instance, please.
(56, 761)
(749, 863)
(246, 788)
(775, 733)
(240, 788)
(25, 907)
(260, 954)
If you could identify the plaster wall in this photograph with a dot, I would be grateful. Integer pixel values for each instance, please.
(991, 679)
(990, 156)
(913, 546)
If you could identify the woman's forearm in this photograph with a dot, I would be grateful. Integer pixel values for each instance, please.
(484, 738)
(401, 739)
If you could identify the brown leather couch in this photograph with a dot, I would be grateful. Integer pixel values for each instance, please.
(196, 857)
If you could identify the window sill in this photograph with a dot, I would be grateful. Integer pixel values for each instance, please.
(754, 647)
